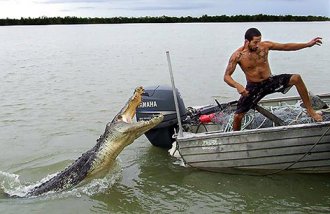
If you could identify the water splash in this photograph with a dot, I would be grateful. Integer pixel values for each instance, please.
(10, 183)
(13, 187)
(100, 185)
(95, 186)
(9, 180)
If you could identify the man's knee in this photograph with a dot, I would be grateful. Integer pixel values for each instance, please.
(237, 121)
(238, 116)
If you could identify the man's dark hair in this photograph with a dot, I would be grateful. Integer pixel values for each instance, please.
(252, 32)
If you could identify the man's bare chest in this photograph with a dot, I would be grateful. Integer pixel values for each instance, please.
(253, 59)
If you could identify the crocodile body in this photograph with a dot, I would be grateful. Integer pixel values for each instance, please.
(118, 134)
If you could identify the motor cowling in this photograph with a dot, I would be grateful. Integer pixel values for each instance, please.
(160, 100)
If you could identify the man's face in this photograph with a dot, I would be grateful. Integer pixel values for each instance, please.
(254, 43)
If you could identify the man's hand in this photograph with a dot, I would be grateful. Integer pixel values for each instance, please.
(315, 41)
(241, 90)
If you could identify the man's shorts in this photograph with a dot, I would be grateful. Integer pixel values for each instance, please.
(277, 83)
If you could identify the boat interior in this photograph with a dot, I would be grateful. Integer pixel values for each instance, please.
(269, 113)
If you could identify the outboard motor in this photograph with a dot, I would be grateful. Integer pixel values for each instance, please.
(156, 100)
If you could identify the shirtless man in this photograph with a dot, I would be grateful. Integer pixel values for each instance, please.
(253, 60)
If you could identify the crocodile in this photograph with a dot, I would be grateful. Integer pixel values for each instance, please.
(118, 134)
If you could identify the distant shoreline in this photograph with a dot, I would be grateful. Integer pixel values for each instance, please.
(160, 19)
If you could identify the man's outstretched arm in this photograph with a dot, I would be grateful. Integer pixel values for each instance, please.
(293, 46)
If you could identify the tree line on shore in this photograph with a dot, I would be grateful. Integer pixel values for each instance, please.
(161, 19)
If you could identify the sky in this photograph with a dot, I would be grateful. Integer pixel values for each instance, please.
(178, 8)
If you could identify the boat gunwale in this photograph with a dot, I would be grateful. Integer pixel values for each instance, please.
(187, 136)
(292, 98)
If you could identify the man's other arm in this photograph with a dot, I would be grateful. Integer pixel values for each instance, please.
(230, 70)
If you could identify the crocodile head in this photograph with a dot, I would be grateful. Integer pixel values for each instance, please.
(122, 131)
(123, 122)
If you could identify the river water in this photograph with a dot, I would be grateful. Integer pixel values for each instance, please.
(60, 85)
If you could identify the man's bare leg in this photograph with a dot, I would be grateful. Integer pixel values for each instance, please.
(237, 121)
(297, 81)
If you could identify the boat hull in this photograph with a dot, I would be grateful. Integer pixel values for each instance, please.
(301, 148)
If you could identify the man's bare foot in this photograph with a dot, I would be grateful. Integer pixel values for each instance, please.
(317, 117)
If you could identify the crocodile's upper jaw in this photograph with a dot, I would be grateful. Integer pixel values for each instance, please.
(127, 113)
(123, 121)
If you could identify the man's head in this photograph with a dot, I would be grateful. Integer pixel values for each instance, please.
(252, 38)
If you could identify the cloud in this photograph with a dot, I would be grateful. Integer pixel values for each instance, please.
(166, 6)
(69, 1)
(112, 8)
